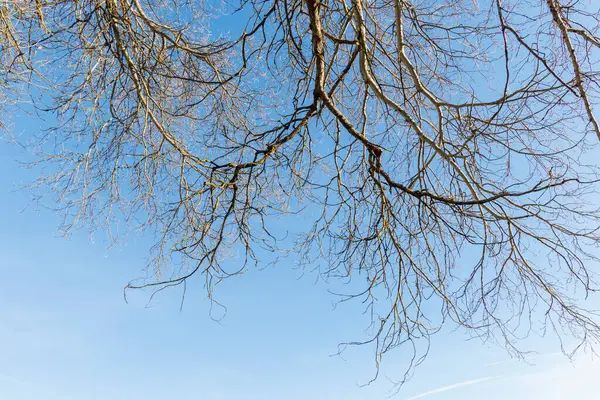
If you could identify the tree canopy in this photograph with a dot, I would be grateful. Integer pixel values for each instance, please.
(438, 152)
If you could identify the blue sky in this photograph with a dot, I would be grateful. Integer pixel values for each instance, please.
(67, 333)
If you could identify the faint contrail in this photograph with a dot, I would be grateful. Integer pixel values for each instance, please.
(453, 386)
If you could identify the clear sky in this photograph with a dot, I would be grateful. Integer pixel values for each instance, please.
(67, 333)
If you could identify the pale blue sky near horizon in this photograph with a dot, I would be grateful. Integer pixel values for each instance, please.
(67, 333)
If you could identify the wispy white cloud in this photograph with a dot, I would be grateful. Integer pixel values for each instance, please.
(452, 387)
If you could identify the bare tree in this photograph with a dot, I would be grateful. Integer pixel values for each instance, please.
(441, 148)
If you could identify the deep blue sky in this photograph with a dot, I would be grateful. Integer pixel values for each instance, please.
(67, 333)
